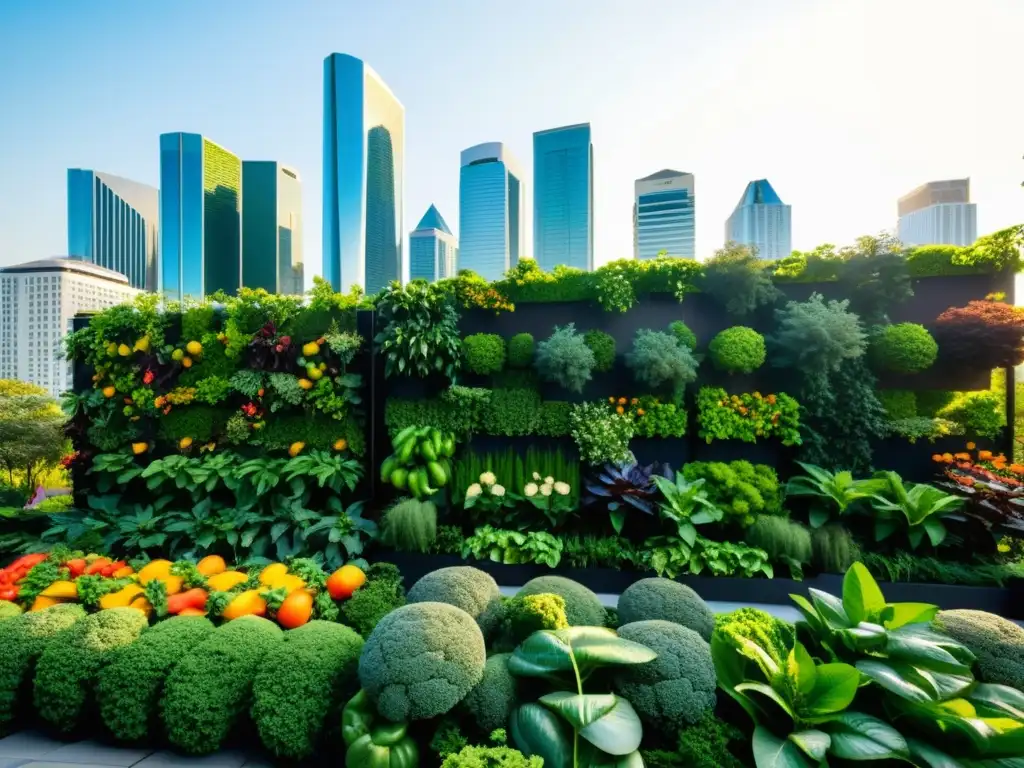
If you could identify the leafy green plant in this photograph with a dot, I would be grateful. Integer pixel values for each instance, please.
(831, 492)
(784, 540)
(835, 549)
(621, 487)
(484, 353)
(658, 359)
(603, 346)
(737, 350)
(918, 508)
(410, 525)
(738, 280)
(979, 413)
(816, 336)
(747, 417)
(686, 505)
(553, 418)
(511, 412)
(565, 359)
(903, 348)
(898, 403)
(739, 488)
(513, 547)
(520, 351)
(600, 436)
(419, 333)
(875, 276)
(683, 334)
(654, 418)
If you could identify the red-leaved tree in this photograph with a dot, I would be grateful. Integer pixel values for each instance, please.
(982, 335)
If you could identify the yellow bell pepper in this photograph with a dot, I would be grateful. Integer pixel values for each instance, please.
(174, 584)
(122, 597)
(273, 573)
(290, 582)
(43, 602)
(61, 590)
(155, 569)
(224, 582)
(248, 603)
(211, 565)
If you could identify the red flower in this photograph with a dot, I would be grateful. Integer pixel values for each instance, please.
(148, 376)
(249, 409)
(285, 340)
(69, 459)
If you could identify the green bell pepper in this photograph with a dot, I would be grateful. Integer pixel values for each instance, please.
(386, 745)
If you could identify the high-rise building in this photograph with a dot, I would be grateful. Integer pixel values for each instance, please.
(113, 222)
(563, 197)
(200, 217)
(491, 197)
(433, 249)
(38, 300)
(271, 227)
(938, 213)
(364, 168)
(664, 216)
(762, 221)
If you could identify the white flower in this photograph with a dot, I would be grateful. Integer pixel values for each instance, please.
(498, 490)
(549, 480)
(473, 490)
(545, 490)
(530, 489)
(562, 489)
(536, 476)
(488, 478)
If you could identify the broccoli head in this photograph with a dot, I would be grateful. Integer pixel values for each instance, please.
(997, 643)
(470, 589)
(582, 607)
(530, 613)
(9, 610)
(678, 687)
(421, 660)
(491, 757)
(774, 635)
(666, 600)
(491, 702)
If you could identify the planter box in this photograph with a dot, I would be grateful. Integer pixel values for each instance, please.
(1007, 602)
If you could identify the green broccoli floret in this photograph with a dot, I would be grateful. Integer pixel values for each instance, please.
(379, 596)
(67, 670)
(9, 610)
(678, 687)
(666, 600)
(421, 660)
(128, 688)
(470, 589)
(997, 643)
(582, 607)
(210, 689)
(772, 634)
(491, 702)
(527, 614)
(22, 640)
(300, 683)
(491, 757)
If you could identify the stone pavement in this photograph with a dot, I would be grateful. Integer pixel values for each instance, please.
(32, 749)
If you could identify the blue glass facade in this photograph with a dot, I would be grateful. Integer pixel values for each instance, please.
(113, 222)
(762, 221)
(490, 211)
(563, 197)
(664, 219)
(364, 146)
(433, 250)
(271, 228)
(200, 207)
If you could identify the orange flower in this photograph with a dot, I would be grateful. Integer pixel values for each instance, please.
(1017, 469)
(962, 456)
(936, 457)
(640, 411)
(622, 401)
(611, 400)
(970, 446)
(619, 409)
(968, 481)
(634, 401)
(948, 458)
(984, 455)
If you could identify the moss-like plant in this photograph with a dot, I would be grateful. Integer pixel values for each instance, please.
(658, 359)
(738, 350)
(484, 353)
(410, 525)
(565, 359)
(903, 348)
(380, 595)
(520, 351)
(603, 346)
(898, 403)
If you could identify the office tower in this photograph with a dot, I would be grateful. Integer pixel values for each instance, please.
(38, 300)
(491, 195)
(761, 220)
(433, 249)
(271, 227)
(939, 212)
(364, 167)
(563, 197)
(200, 217)
(664, 216)
(113, 222)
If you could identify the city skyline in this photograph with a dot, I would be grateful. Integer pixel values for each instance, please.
(706, 127)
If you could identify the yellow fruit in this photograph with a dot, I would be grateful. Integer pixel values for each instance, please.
(289, 583)
(142, 345)
(139, 448)
(295, 449)
(311, 349)
(155, 569)
(186, 362)
(124, 350)
(258, 425)
(61, 590)
(273, 573)
(315, 374)
(211, 565)
(177, 355)
(322, 366)
(194, 348)
(121, 598)
(340, 445)
(43, 602)
(248, 603)
(345, 581)
(185, 442)
(224, 582)
(305, 384)
(109, 391)
(174, 584)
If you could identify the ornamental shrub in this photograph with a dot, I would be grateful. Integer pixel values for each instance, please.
(739, 488)
(23, 639)
(903, 348)
(565, 359)
(737, 350)
(520, 351)
(980, 413)
(492, 700)
(600, 434)
(678, 687)
(474, 591)
(666, 600)
(898, 403)
(511, 412)
(553, 418)
(981, 336)
(816, 336)
(209, 691)
(603, 346)
(658, 359)
(997, 643)
(484, 353)
(931, 401)
(835, 549)
(683, 334)
(67, 669)
(738, 280)
(785, 540)
(300, 685)
(379, 596)
(410, 525)
(421, 660)
(491, 757)
(128, 689)
(582, 607)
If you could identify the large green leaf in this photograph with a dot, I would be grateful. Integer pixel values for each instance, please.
(897, 615)
(928, 756)
(538, 731)
(830, 609)
(551, 652)
(998, 700)
(772, 752)
(856, 736)
(813, 742)
(607, 721)
(922, 647)
(800, 669)
(835, 687)
(862, 599)
(769, 693)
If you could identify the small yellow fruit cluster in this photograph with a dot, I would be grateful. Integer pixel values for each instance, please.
(187, 356)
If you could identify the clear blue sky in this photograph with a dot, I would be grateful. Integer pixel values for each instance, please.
(842, 104)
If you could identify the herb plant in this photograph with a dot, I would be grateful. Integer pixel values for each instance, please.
(565, 359)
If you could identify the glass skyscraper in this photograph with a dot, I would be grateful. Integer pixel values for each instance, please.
(563, 197)
(761, 220)
(433, 249)
(490, 210)
(938, 213)
(200, 215)
(364, 167)
(113, 223)
(664, 215)
(271, 227)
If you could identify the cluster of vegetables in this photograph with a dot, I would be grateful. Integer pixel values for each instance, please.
(420, 463)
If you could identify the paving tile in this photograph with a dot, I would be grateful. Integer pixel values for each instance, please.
(229, 758)
(28, 745)
(95, 753)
